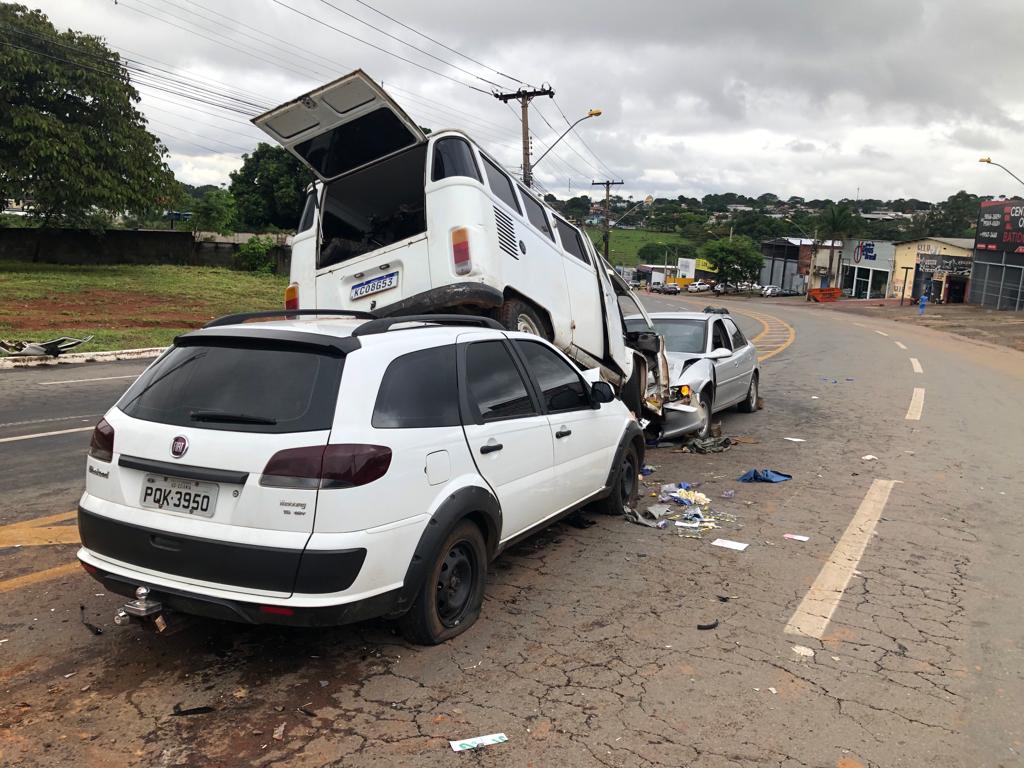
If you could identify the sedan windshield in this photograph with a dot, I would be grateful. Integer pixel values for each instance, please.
(685, 336)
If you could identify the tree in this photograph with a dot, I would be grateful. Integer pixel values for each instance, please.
(71, 138)
(736, 259)
(836, 221)
(269, 188)
(214, 213)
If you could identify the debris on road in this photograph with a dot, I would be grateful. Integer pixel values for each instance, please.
(177, 711)
(646, 470)
(803, 650)
(91, 627)
(728, 544)
(728, 494)
(869, 457)
(795, 439)
(710, 445)
(815, 397)
(478, 741)
(51, 348)
(796, 537)
(764, 476)
(744, 440)
(772, 691)
(710, 625)
(279, 732)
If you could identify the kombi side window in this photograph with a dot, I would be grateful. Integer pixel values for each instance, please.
(535, 213)
(374, 207)
(571, 241)
(308, 211)
(453, 157)
(501, 185)
(419, 390)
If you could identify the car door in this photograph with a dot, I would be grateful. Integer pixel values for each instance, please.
(726, 371)
(584, 437)
(744, 355)
(585, 296)
(508, 436)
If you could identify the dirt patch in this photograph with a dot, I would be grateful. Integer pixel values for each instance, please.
(105, 309)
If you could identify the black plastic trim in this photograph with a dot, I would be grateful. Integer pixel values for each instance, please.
(384, 324)
(337, 346)
(632, 434)
(456, 295)
(241, 317)
(323, 571)
(183, 470)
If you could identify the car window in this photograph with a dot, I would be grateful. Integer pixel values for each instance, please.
(453, 157)
(494, 387)
(561, 386)
(419, 390)
(238, 385)
(737, 336)
(685, 336)
(720, 337)
(571, 240)
(308, 211)
(535, 213)
(628, 307)
(501, 185)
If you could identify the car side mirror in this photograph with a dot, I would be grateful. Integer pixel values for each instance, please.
(602, 392)
(720, 354)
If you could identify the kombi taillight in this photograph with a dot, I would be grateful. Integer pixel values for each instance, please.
(344, 465)
(460, 251)
(291, 296)
(102, 445)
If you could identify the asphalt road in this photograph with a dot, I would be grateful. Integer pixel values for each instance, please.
(907, 594)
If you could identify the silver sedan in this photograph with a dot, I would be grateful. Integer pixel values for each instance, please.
(712, 366)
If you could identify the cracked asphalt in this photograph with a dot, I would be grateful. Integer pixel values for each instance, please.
(587, 652)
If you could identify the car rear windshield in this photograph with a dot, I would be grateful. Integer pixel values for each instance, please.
(687, 336)
(239, 386)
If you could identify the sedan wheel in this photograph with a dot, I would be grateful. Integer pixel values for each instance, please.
(704, 410)
(749, 404)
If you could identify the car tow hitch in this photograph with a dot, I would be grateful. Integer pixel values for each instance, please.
(147, 612)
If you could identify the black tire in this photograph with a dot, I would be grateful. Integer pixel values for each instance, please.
(449, 600)
(625, 486)
(517, 315)
(749, 405)
(707, 402)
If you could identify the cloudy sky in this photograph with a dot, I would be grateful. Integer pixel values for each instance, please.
(799, 97)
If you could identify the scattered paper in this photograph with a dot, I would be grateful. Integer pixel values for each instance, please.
(815, 397)
(687, 524)
(478, 741)
(835, 658)
(869, 457)
(796, 537)
(795, 439)
(738, 546)
(772, 690)
(803, 650)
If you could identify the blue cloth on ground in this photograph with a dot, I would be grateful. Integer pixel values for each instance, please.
(764, 476)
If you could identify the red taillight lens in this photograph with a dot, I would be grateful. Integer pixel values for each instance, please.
(327, 466)
(102, 445)
(291, 296)
(277, 610)
(460, 251)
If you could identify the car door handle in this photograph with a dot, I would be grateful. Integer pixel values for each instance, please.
(491, 447)
(563, 432)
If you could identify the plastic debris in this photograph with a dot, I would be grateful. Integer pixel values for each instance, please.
(795, 537)
(764, 476)
(51, 348)
(803, 650)
(279, 732)
(478, 741)
(795, 439)
(869, 457)
(728, 494)
(815, 397)
(646, 470)
(772, 691)
(177, 711)
(710, 625)
(91, 627)
(728, 544)
(710, 445)
(695, 524)
(661, 524)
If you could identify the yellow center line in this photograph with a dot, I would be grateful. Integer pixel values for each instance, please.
(28, 579)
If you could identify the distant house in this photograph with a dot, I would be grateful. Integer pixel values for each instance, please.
(594, 220)
(737, 208)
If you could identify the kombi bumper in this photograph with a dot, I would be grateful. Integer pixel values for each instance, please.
(445, 297)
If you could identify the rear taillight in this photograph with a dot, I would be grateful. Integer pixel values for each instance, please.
(332, 466)
(460, 251)
(277, 610)
(291, 296)
(102, 445)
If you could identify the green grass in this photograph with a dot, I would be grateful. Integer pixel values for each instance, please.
(626, 244)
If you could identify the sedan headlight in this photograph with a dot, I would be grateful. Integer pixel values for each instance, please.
(684, 394)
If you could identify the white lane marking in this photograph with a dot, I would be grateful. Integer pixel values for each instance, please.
(916, 404)
(916, 364)
(901, 345)
(881, 333)
(44, 434)
(81, 381)
(814, 613)
(56, 418)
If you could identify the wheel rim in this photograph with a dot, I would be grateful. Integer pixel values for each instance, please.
(455, 583)
(752, 394)
(705, 422)
(525, 324)
(627, 478)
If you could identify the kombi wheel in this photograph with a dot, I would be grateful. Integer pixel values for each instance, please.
(517, 315)
(449, 601)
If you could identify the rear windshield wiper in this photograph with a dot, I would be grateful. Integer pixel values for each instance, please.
(234, 418)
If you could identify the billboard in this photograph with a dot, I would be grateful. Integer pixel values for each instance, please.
(1001, 226)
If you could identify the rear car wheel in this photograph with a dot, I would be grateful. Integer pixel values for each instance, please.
(449, 600)
(521, 316)
(749, 404)
(625, 486)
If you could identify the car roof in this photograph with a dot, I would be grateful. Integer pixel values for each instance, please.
(678, 316)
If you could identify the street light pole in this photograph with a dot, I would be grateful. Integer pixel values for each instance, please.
(590, 114)
(997, 165)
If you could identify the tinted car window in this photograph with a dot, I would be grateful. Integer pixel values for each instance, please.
(737, 335)
(686, 336)
(239, 386)
(535, 213)
(501, 185)
(419, 390)
(720, 338)
(571, 240)
(562, 388)
(453, 157)
(494, 387)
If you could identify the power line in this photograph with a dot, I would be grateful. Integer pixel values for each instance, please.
(611, 173)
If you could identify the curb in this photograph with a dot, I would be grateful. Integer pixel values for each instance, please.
(80, 357)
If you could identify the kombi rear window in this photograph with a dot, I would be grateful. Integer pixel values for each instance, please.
(250, 385)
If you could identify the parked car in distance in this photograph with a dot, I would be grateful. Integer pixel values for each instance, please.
(698, 287)
(712, 366)
(667, 288)
(280, 472)
(721, 288)
(770, 290)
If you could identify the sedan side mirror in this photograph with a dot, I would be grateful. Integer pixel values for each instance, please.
(602, 392)
(720, 354)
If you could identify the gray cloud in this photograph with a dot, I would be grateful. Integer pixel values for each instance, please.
(801, 146)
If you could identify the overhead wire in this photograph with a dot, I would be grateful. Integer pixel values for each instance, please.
(611, 173)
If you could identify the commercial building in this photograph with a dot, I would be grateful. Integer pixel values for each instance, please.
(790, 262)
(997, 276)
(939, 267)
(865, 268)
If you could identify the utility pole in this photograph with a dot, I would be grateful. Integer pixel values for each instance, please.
(607, 184)
(524, 97)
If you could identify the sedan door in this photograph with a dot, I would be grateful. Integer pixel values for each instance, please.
(744, 356)
(728, 384)
(508, 437)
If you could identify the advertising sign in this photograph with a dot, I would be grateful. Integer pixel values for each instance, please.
(1001, 226)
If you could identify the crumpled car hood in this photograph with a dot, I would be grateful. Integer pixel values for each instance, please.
(688, 368)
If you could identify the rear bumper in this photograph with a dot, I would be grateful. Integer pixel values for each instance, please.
(477, 295)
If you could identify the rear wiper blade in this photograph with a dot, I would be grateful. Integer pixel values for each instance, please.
(235, 418)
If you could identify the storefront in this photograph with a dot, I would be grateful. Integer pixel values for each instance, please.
(937, 267)
(997, 279)
(866, 268)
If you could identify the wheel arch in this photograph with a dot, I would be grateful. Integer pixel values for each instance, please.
(512, 293)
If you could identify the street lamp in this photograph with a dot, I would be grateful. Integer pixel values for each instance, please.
(590, 114)
(989, 161)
